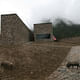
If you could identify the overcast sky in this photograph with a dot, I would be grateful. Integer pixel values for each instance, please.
(33, 11)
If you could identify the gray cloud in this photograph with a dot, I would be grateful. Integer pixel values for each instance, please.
(35, 11)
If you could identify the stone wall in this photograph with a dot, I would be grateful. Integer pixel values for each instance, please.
(13, 30)
(44, 28)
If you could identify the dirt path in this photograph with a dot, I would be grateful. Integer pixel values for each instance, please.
(63, 73)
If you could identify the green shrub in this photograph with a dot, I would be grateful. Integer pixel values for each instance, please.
(63, 30)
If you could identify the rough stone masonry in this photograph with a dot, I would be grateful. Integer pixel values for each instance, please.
(13, 30)
(43, 32)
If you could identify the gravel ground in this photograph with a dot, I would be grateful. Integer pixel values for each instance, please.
(32, 61)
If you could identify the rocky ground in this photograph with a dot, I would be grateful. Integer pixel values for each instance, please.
(37, 61)
(32, 61)
(63, 73)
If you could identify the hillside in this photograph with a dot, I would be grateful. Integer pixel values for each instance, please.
(63, 30)
(37, 60)
(32, 61)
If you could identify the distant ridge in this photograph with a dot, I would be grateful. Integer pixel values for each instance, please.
(63, 30)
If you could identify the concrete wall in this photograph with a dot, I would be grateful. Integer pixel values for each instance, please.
(44, 28)
(13, 30)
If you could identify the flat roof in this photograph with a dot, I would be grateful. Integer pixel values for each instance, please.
(8, 14)
(42, 23)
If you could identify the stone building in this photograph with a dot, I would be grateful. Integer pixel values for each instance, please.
(43, 32)
(13, 30)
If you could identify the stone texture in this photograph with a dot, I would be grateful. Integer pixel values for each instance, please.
(43, 28)
(13, 30)
(63, 73)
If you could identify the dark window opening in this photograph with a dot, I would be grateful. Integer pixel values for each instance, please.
(43, 36)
